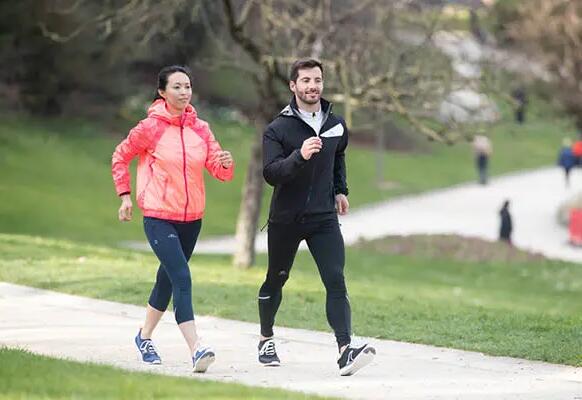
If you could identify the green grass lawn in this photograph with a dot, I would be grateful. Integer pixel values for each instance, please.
(57, 182)
(56, 179)
(27, 376)
(521, 307)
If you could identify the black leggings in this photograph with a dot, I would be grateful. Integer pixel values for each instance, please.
(326, 245)
(173, 244)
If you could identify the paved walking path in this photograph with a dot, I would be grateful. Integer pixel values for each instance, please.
(467, 209)
(85, 329)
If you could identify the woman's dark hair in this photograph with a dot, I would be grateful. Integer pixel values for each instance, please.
(303, 63)
(165, 73)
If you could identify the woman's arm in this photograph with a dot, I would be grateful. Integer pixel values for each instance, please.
(135, 143)
(219, 163)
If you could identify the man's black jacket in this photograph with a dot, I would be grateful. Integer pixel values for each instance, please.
(304, 189)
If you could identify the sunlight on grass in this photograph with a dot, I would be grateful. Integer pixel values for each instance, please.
(58, 379)
(524, 309)
(57, 182)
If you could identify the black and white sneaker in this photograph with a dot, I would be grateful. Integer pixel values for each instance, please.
(268, 354)
(352, 359)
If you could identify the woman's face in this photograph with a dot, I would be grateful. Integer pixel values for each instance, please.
(178, 92)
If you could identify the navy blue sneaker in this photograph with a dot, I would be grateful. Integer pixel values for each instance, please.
(202, 359)
(146, 349)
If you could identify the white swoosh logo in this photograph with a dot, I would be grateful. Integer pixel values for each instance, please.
(336, 131)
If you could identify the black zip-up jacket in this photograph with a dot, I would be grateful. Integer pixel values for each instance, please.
(304, 190)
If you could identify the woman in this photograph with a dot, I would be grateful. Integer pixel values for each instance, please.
(174, 147)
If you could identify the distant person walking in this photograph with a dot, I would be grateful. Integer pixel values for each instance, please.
(304, 160)
(482, 149)
(566, 159)
(174, 147)
(520, 96)
(506, 226)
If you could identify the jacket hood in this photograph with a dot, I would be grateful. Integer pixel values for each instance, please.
(159, 110)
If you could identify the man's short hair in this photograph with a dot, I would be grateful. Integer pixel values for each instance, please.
(303, 63)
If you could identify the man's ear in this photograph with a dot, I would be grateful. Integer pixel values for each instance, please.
(292, 86)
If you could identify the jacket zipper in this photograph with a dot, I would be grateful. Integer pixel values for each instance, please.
(323, 121)
(184, 166)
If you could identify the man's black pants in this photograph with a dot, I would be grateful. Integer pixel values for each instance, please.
(326, 245)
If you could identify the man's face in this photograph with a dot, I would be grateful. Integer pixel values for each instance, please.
(308, 86)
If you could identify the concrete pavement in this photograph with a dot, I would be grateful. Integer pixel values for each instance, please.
(83, 329)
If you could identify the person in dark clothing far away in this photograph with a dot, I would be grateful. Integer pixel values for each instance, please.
(520, 96)
(506, 226)
(566, 159)
(303, 159)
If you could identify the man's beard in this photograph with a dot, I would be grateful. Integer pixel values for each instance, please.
(304, 98)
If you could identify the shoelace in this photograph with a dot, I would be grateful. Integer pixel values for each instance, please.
(268, 348)
(200, 352)
(147, 346)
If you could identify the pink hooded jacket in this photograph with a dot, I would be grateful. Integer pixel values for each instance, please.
(173, 151)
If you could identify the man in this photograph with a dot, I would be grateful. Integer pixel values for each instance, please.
(483, 149)
(303, 158)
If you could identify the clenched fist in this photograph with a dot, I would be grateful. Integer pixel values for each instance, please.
(225, 159)
(124, 213)
(310, 146)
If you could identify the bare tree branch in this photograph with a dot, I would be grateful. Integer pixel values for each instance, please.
(58, 9)
(244, 15)
(238, 35)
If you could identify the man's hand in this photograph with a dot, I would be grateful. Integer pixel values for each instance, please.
(310, 146)
(124, 212)
(342, 205)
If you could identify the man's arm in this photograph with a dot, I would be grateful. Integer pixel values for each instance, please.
(278, 169)
(339, 169)
(340, 185)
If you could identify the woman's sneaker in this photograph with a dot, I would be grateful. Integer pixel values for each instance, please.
(147, 350)
(268, 354)
(202, 359)
(353, 359)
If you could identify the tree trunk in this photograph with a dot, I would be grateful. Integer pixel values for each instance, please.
(380, 145)
(250, 207)
(348, 109)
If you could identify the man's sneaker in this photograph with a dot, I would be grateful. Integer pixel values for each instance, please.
(202, 359)
(354, 358)
(268, 354)
(146, 349)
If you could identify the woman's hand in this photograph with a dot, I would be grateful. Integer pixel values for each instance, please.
(225, 159)
(124, 212)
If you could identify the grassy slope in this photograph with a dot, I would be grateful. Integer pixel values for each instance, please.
(56, 179)
(518, 308)
(27, 376)
(515, 148)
